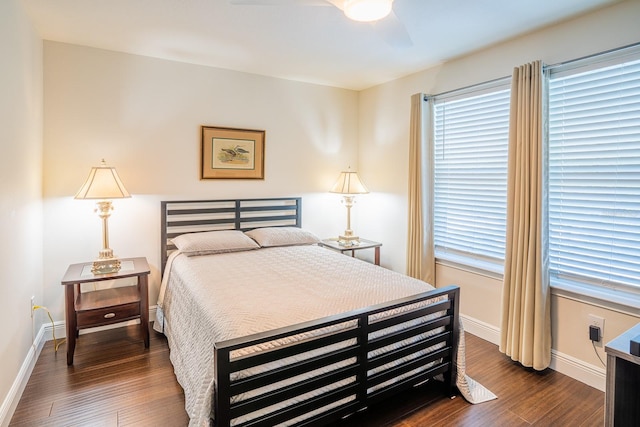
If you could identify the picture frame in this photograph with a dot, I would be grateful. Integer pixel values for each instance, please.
(229, 153)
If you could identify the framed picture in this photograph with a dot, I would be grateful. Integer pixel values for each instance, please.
(232, 153)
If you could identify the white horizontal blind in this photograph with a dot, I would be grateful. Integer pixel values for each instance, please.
(594, 177)
(471, 143)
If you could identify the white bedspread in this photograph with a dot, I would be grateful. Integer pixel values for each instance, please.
(205, 299)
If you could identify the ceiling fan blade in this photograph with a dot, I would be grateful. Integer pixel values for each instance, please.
(393, 31)
(337, 3)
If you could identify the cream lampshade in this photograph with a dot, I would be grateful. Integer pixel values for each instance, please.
(349, 184)
(104, 184)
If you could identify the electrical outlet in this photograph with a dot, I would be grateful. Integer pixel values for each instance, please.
(598, 322)
(33, 303)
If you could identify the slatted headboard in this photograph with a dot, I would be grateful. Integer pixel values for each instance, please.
(194, 216)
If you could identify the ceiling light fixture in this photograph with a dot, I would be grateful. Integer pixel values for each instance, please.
(367, 10)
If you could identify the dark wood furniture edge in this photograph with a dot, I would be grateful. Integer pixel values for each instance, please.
(618, 350)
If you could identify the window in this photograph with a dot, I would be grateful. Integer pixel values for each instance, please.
(471, 136)
(594, 177)
(593, 170)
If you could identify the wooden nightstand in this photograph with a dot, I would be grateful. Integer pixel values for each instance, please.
(364, 244)
(107, 306)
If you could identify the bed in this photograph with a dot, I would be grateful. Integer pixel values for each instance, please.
(288, 332)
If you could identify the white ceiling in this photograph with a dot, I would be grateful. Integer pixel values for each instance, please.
(296, 39)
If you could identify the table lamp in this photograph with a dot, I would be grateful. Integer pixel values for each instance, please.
(104, 184)
(349, 184)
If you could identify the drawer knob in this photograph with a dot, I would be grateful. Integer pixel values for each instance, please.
(109, 315)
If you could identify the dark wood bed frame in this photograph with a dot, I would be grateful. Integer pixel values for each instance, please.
(354, 331)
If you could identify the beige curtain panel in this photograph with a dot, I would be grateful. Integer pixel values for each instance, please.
(526, 317)
(420, 257)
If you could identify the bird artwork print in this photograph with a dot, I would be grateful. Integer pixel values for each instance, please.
(236, 154)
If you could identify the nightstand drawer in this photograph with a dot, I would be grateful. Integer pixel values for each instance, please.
(104, 316)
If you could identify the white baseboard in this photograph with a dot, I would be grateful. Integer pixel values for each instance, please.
(591, 375)
(481, 329)
(577, 369)
(15, 392)
(44, 334)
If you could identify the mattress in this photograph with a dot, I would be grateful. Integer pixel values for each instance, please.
(212, 298)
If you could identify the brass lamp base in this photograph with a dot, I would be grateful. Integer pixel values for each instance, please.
(348, 239)
(106, 263)
(104, 266)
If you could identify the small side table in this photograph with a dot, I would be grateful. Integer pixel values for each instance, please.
(623, 376)
(107, 306)
(364, 244)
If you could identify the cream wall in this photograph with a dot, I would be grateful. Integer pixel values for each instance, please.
(20, 194)
(143, 116)
(383, 158)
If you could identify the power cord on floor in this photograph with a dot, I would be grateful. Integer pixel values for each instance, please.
(598, 354)
(56, 344)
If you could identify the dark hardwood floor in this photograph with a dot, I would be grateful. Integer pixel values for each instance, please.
(116, 382)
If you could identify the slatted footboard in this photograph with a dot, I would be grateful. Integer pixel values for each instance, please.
(337, 365)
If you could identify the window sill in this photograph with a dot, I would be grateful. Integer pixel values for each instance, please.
(617, 300)
(624, 302)
(471, 265)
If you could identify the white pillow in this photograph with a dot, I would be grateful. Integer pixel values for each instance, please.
(213, 242)
(282, 236)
